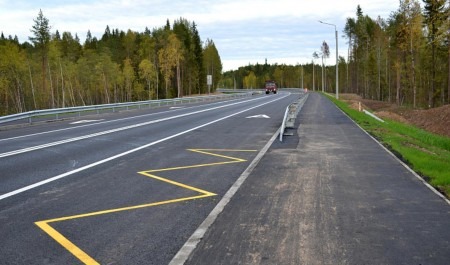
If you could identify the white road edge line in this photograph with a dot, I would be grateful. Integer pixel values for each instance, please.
(40, 183)
(190, 245)
(42, 146)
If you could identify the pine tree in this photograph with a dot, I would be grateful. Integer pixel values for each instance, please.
(198, 59)
(41, 39)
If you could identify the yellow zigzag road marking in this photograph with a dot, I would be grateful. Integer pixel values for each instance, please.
(83, 256)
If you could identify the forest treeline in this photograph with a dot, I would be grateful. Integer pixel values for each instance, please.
(55, 70)
(254, 76)
(402, 59)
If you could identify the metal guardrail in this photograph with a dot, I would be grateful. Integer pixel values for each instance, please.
(253, 91)
(291, 114)
(116, 106)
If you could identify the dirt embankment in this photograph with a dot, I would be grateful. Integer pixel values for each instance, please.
(436, 120)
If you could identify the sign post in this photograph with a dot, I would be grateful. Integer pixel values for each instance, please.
(209, 82)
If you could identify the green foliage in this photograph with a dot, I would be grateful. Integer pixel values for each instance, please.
(198, 71)
(170, 57)
(212, 62)
(250, 80)
(426, 153)
(55, 70)
(12, 77)
(435, 15)
(41, 31)
(391, 59)
(147, 71)
(285, 75)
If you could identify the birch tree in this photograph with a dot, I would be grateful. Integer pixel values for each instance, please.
(169, 58)
(147, 71)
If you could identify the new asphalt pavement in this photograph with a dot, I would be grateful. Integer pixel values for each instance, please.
(329, 194)
(135, 187)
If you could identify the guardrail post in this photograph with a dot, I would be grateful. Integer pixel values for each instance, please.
(283, 124)
(291, 114)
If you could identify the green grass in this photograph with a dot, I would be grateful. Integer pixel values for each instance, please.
(426, 153)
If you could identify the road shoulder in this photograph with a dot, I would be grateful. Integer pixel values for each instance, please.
(336, 198)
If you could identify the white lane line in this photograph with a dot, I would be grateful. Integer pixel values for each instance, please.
(42, 146)
(43, 182)
(84, 121)
(110, 121)
(263, 116)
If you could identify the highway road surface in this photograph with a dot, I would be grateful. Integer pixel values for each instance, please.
(331, 195)
(125, 188)
(143, 187)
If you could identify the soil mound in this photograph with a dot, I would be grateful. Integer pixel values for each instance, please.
(436, 120)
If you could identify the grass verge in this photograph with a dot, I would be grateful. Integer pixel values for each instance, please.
(426, 153)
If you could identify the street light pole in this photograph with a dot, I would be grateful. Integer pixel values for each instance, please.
(302, 78)
(314, 81)
(337, 58)
(323, 80)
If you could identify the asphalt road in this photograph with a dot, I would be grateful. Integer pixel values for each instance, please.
(133, 187)
(329, 194)
(125, 188)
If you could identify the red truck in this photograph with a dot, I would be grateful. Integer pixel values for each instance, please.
(271, 86)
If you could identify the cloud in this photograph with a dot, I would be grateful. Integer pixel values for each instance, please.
(283, 31)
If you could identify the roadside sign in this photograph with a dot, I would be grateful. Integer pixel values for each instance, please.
(209, 79)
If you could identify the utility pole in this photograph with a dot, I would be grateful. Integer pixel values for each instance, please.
(302, 78)
(337, 58)
(314, 82)
(323, 83)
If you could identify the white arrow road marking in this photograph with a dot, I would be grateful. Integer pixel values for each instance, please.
(263, 116)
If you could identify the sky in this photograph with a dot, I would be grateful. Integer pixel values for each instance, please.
(244, 31)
